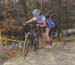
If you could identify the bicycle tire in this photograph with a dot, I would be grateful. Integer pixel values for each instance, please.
(26, 46)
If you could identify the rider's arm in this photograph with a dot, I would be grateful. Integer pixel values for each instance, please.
(31, 20)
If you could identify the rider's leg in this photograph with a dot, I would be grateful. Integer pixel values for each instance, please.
(49, 39)
(50, 35)
(43, 39)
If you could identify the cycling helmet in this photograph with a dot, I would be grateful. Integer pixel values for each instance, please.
(36, 12)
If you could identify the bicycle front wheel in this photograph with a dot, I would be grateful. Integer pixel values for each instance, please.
(26, 46)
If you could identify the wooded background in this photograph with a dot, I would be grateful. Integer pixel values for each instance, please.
(62, 12)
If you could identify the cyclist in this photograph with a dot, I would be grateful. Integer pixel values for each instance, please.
(41, 20)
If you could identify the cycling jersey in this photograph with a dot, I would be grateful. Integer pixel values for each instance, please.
(50, 23)
(40, 20)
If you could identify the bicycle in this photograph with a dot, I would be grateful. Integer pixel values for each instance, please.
(31, 39)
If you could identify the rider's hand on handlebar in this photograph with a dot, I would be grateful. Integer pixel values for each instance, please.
(25, 23)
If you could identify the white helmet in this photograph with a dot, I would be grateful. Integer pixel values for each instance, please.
(36, 12)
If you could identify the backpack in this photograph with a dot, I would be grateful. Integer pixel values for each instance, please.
(50, 23)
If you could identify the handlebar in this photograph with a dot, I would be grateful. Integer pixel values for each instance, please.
(30, 26)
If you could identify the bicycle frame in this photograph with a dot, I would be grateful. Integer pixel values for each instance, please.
(31, 35)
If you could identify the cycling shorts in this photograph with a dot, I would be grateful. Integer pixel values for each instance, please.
(43, 29)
